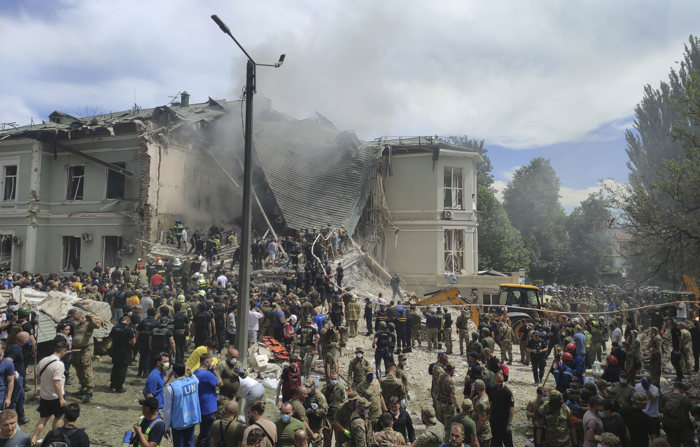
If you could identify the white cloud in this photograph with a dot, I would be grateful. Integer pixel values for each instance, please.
(518, 74)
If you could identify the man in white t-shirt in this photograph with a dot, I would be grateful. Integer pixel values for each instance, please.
(222, 280)
(51, 384)
(254, 319)
(681, 312)
(616, 335)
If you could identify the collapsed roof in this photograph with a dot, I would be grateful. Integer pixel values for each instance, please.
(316, 174)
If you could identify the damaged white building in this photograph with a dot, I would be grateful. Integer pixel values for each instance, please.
(104, 188)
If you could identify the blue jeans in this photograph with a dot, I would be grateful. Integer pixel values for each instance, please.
(183, 437)
(205, 429)
(17, 401)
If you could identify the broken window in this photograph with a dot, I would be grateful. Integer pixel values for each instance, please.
(454, 189)
(71, 253)
(454, 250)
(112, 247)
(76, 181)
(10, 183)
(115, 182)
(5, 251)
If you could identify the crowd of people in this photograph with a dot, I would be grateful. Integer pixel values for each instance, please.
(175, 327)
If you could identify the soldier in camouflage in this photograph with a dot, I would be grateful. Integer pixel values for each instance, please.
(299, 411)
(676, 408)
(387, 437)
(316, 412)
(358, 368)
(553, 423)
(335, 395)
(505, 341)
(462, 325)
(392, 385)
(372, 392)
(446, 398)
(83, 350)
(434, 430)
(360, 428)
(437, 371)
(481, 413)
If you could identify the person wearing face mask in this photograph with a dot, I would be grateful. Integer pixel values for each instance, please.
(335, 395)
(286, 426)
(553, 424)
(155, 383)
(622, 390)
(434, 431)
(592, 423)
(372, 392)
(360, 427)
(358, 368)
(402, 421)
(227, 371)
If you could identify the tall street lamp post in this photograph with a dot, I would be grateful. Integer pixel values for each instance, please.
(244, 269)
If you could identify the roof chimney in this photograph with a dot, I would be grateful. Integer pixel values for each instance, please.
(184, 99)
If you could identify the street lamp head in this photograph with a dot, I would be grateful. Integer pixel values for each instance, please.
(281, 61)
(221, 24)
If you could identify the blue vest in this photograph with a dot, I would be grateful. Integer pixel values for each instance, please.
(185, 411)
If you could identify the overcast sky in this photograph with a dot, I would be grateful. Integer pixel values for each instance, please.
(557, 79)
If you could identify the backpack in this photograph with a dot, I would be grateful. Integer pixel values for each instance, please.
(505, 371)
(674, 419)
(59, 438)
(430, 368)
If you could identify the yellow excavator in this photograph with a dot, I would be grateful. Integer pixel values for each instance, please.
(449, 295)
(691, 285)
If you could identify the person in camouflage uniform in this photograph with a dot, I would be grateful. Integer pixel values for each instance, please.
(330, 360)
(387, 437)
(475, 345)
(83, 350)
(434, 430)
(534, 405)
(360, 427)
(392, 385)
(505, 341)
(553, 425)
(372, 392)
(487, 340)
(226, 370)
(416, 322)
(335, 395)
(462, 325)
(341, 420)
(401, 373)
(676, 408)
(352, 315)
(446, 398)
(316, 411)
(358, 368)
(437, 371)
(481, 413)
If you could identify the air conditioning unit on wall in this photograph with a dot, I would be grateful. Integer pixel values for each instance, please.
(87, 237)
(447, 214)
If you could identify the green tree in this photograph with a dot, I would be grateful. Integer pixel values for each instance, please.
(500, 245)
(661, 204)
(532, 203)
(589, 252)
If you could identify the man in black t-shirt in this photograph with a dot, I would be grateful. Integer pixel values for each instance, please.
(502, 410)
(538, 350)
(76, 436)
(639, 424)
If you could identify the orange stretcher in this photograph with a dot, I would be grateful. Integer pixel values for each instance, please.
(277, 349)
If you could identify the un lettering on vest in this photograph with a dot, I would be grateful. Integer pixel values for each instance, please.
(189, 389)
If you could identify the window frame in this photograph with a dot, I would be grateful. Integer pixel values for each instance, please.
(451, 192)
(452, 251)
(5, 183)
(70, 195)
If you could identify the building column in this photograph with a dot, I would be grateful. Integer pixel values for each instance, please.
(30, 240)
